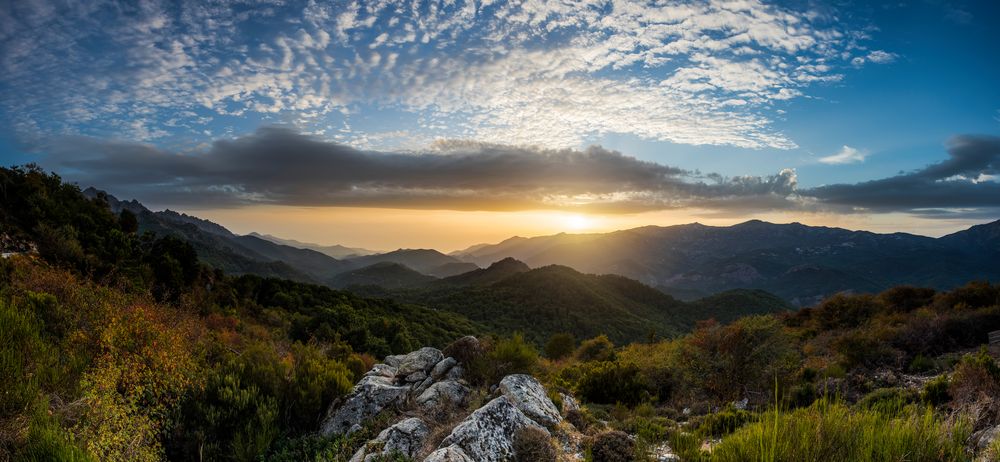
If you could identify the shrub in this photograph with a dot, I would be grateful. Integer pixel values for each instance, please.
(802, 395)
(975, 386)
(532, 444)
(613, 446)
(580, 419)
(560, 346)
(465, 350)
(935, 391)
(889, 401)
(921, 363)
(507, 356)
(725, 422)
(612, 382)
(598, 348)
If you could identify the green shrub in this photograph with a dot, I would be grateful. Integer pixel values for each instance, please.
(889, 401)
(801, 395)
(47, 441)
(532, 444)
(687, 446)
(611, 382)
(725, 422)
(613, 446)
(921, 363)
(507, 356)
(935, 391)
(598, 348)
(560, 346)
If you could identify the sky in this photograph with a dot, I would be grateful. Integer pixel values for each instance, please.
(443, 124)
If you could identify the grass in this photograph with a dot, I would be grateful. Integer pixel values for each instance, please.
(831, 431)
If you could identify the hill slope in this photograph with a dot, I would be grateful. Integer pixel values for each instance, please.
(554, 299)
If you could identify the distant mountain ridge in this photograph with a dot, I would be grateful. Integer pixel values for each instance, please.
(336, 251)
(798, 262)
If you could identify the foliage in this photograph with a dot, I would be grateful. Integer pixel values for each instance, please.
(532, 444)
(725, 422)
(613, 446)
(611, 382)
(598, 348)
(503, 357)
(560, 345)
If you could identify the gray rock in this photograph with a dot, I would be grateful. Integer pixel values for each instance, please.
(419, 388)
(529, 396)
(406, 437)
(421, 360)
(487, 435)
(394, 360)
(416, 377)
(449, 454)
(441, 395)
(369, 397)
(568, 403)
(455, 373)
(382, 370)
(442, 368)
(984, 438)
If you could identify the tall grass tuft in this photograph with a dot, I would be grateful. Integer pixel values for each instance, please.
(829, 430)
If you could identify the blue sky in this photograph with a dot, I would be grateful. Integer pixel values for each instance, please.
(796, 95)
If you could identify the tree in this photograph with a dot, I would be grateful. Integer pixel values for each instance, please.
(560, 346)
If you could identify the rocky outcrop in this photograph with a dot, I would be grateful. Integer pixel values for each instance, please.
(404, 438)
(429, 385)
(529, 396)
(392, 385)
(488, 434)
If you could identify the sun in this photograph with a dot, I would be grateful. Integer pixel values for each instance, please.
(577, 222)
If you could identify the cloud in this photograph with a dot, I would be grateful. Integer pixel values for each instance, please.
(846, 155)
(961, 181)
(281, 166)
(539, 72)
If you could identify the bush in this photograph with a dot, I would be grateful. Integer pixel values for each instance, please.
(921, 363)
(598, 348)
(889, 401)
(532, 444)
(613, 446)
(580, 419)
(465, 350)
(935, 392)
(612, 382)
(560, 346)
(507, 356)
(725, 422)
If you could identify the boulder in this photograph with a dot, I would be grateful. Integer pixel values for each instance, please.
(421, 360)
(442, 395)
(529, 396)
(367, 399)
(416, 377)
(394, 360)
(455, 373)
(406, 437)
(442, 368)
(449, 454)
(487, 435)
(382, 370)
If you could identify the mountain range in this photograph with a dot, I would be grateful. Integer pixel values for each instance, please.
(797, 262)
(800, 263)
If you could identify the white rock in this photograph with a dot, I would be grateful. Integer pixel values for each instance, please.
(487, 435)
(421, 360)
(449, 454)
(406, 437)
(529, 396)
(443, 394)
(382, 370)
(367, 399)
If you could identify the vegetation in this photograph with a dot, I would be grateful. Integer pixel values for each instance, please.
(119, 346)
